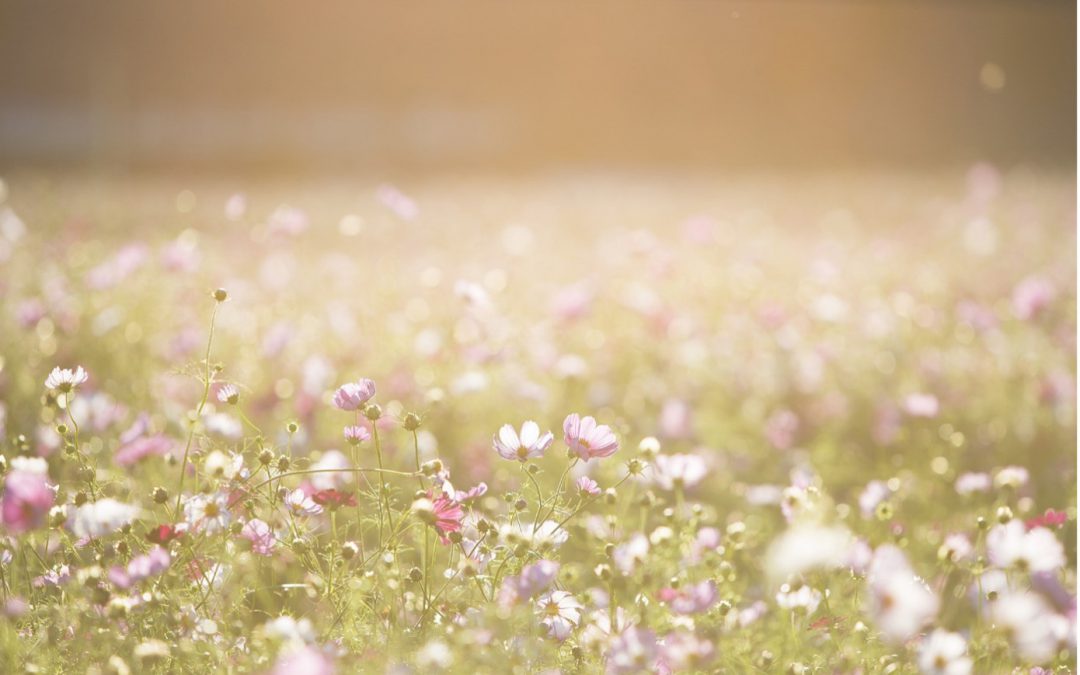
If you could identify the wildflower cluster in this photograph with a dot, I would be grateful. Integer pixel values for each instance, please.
(718, 450)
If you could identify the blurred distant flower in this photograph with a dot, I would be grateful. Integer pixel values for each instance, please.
(398, 202)
(306, 660)
(97, 519)
(141, 567)
(900, 602)
(1013, 477)
(333, 470)
(806, 547)
(529, 444)
(26, 501)
(353, 395)
(802, 598)
(873, 494)
(692, 599)
(683, 471)
(921, 405)
(780, 429)
(333, 499)
(587, 439)
(287, 220)
(1050, 518)
(966, 483)
(1031, 624)
(684, 651)
(675, 420)
(64, 380)
(944, 653)
(235, 207)
(1012, 545)
(1031, 296)
(635, 650)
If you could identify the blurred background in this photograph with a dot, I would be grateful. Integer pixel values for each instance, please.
(493, 86)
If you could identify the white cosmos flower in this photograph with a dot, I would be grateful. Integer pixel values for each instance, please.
(1030, 622)
(559, 612)
(97, 519)
(209, 513)
(528, 444)
(944, 653)
(806, 547)
(628, 555)
(547, 533)
(1037, 550)
(682, 470)
(290, 631)
(36, 465)
(64, 380)
(301, 504)
(900, 602)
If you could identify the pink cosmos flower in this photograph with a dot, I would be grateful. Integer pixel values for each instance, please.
(307, 660)
(1031, 296)
(684, 651)
(692, 600)
(353, 395)
(26, 502)
(587, 439)
(135, 445)
(151, 564)
(533, 579)
(781, 428)
(260, 535)
(356, 434)
(473, 493)
(448, 516)
(526, 445)
(588, 486)
(635, 650)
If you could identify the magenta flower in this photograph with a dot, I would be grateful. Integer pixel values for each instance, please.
(441, 512)
(260, 535)
(26, 502)
(352, 395)
(587, 439)
(526, 445)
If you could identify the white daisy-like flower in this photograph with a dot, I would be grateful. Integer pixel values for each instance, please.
(301, 504)
(222, 465)
(64, 380)
(228, 393)
(547, 533)
(682, 470)
(900, 602)
(97, 519)
(209, 513)
(944, 653)
(528, 444)
(559, 612)
(804, 599)
(1012, 545)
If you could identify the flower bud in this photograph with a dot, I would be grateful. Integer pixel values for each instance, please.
(349, 550)
(372, 411)
(221, 295)
(160, 495)
(411, 421)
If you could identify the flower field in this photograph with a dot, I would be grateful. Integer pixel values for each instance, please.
(576, 424)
